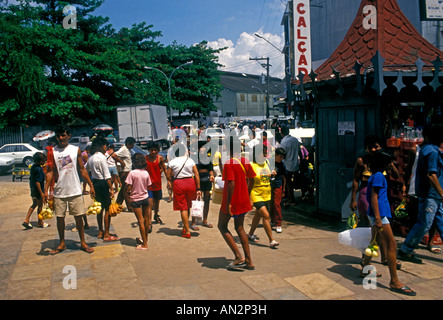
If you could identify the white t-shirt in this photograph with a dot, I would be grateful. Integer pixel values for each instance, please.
(68, 183)
(98, 166)
(125, 154)
(177, 163)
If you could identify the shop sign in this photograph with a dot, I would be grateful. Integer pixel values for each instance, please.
(302, 37)
(431, 10)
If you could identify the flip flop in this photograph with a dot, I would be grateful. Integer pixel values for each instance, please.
(139, 247)
(87, 250)
(27, 225)
(45, 225)
(195, 228)
(208, 225)
(232, 265)
(110, 238)
(56, 251)
(404, 290)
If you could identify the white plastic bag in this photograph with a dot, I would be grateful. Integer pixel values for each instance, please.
(197, 209)
(358, 238)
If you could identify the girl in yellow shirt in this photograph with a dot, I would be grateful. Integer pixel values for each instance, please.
(260, 198)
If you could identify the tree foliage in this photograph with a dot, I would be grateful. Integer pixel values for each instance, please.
(48, 71)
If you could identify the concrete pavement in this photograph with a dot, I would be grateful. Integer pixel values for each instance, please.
(309, 264)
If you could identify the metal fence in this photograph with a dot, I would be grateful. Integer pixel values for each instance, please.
(11, 135)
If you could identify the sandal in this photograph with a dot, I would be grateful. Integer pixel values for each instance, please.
(404, 290)
(194, 227)
(88, 249)
(110, 238)
(253, 238)
(434, 249)
(27, 225)
(157, 218)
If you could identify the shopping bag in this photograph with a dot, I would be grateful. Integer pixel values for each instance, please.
(358, 238)
(352, 221)
(197, 209)
(401, 210)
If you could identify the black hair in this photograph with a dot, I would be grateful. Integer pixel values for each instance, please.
(139, 161)
(153, 145)
(129, 140)
(280, 151)
(61, 128)
(372, 140)
(39, 156)
(97, 143)
(379, 160)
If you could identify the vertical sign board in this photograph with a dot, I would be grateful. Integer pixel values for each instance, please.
(302, 37)
(431, 10)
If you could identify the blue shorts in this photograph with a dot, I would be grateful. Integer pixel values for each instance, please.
(113, 171)
(384, 220)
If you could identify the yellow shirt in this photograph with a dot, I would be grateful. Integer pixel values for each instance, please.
(262, 183)
(216, 158)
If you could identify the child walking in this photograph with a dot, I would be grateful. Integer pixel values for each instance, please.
(378, 213)
(101, 180)
(278, 183)
(137, 195)
(37, 185)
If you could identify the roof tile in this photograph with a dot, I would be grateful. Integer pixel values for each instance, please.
(398, 42)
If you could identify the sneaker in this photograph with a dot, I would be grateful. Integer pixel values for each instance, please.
(278, 229)
(274, 244)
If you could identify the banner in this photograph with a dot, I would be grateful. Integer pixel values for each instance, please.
(302, 37)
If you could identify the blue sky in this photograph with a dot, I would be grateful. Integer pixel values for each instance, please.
(229, 23)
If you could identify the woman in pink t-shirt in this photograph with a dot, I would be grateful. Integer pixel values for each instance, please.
(138, 181)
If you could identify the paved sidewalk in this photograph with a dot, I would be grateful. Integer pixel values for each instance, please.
(309, 264)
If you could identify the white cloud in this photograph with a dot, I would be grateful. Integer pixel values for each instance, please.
(236, 57)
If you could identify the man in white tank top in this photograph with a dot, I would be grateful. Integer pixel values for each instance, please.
(67, 163)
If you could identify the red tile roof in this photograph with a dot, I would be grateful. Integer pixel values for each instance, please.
(398, 42)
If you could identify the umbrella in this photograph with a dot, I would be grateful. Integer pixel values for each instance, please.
(43, 135)
(103, 127)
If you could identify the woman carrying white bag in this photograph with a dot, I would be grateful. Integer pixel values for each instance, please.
(183, 178)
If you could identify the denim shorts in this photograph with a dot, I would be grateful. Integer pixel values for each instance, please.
(384, 220)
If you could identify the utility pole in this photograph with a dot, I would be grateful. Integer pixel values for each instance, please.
(267, 82)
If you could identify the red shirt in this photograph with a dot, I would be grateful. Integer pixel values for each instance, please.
(233, 171)
(153, 169)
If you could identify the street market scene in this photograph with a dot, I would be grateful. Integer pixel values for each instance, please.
(310, 168)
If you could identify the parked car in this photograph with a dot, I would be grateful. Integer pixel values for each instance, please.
(22, 153)
(81, 142)
(214, 133)
(6, 164)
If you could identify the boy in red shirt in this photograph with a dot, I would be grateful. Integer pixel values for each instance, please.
(238, 176)
(155, 165)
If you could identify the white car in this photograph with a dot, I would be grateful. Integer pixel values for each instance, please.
(22, 153)
(213, 133)
(6, 164)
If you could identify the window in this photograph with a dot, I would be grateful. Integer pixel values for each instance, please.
(242, 97)
(21, 148)
(254, 98)
(6, 149)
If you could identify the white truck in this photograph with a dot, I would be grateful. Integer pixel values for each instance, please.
(144, 123)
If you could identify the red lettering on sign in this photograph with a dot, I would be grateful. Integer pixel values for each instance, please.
(301, 23)
(300, 46)
(302, 60)
(299, 36)
(299, 8)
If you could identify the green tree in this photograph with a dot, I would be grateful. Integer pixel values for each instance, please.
(49, 71)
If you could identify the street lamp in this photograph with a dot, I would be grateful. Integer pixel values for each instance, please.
(168, 79)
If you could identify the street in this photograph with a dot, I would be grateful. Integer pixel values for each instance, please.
(309, 264)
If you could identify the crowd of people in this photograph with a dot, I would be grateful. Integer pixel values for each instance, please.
(65, 174)
(422, 188)
(258, 182)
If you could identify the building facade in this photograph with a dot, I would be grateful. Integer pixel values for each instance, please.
(244, 96)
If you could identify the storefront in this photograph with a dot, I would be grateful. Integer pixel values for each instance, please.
(382, 73)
